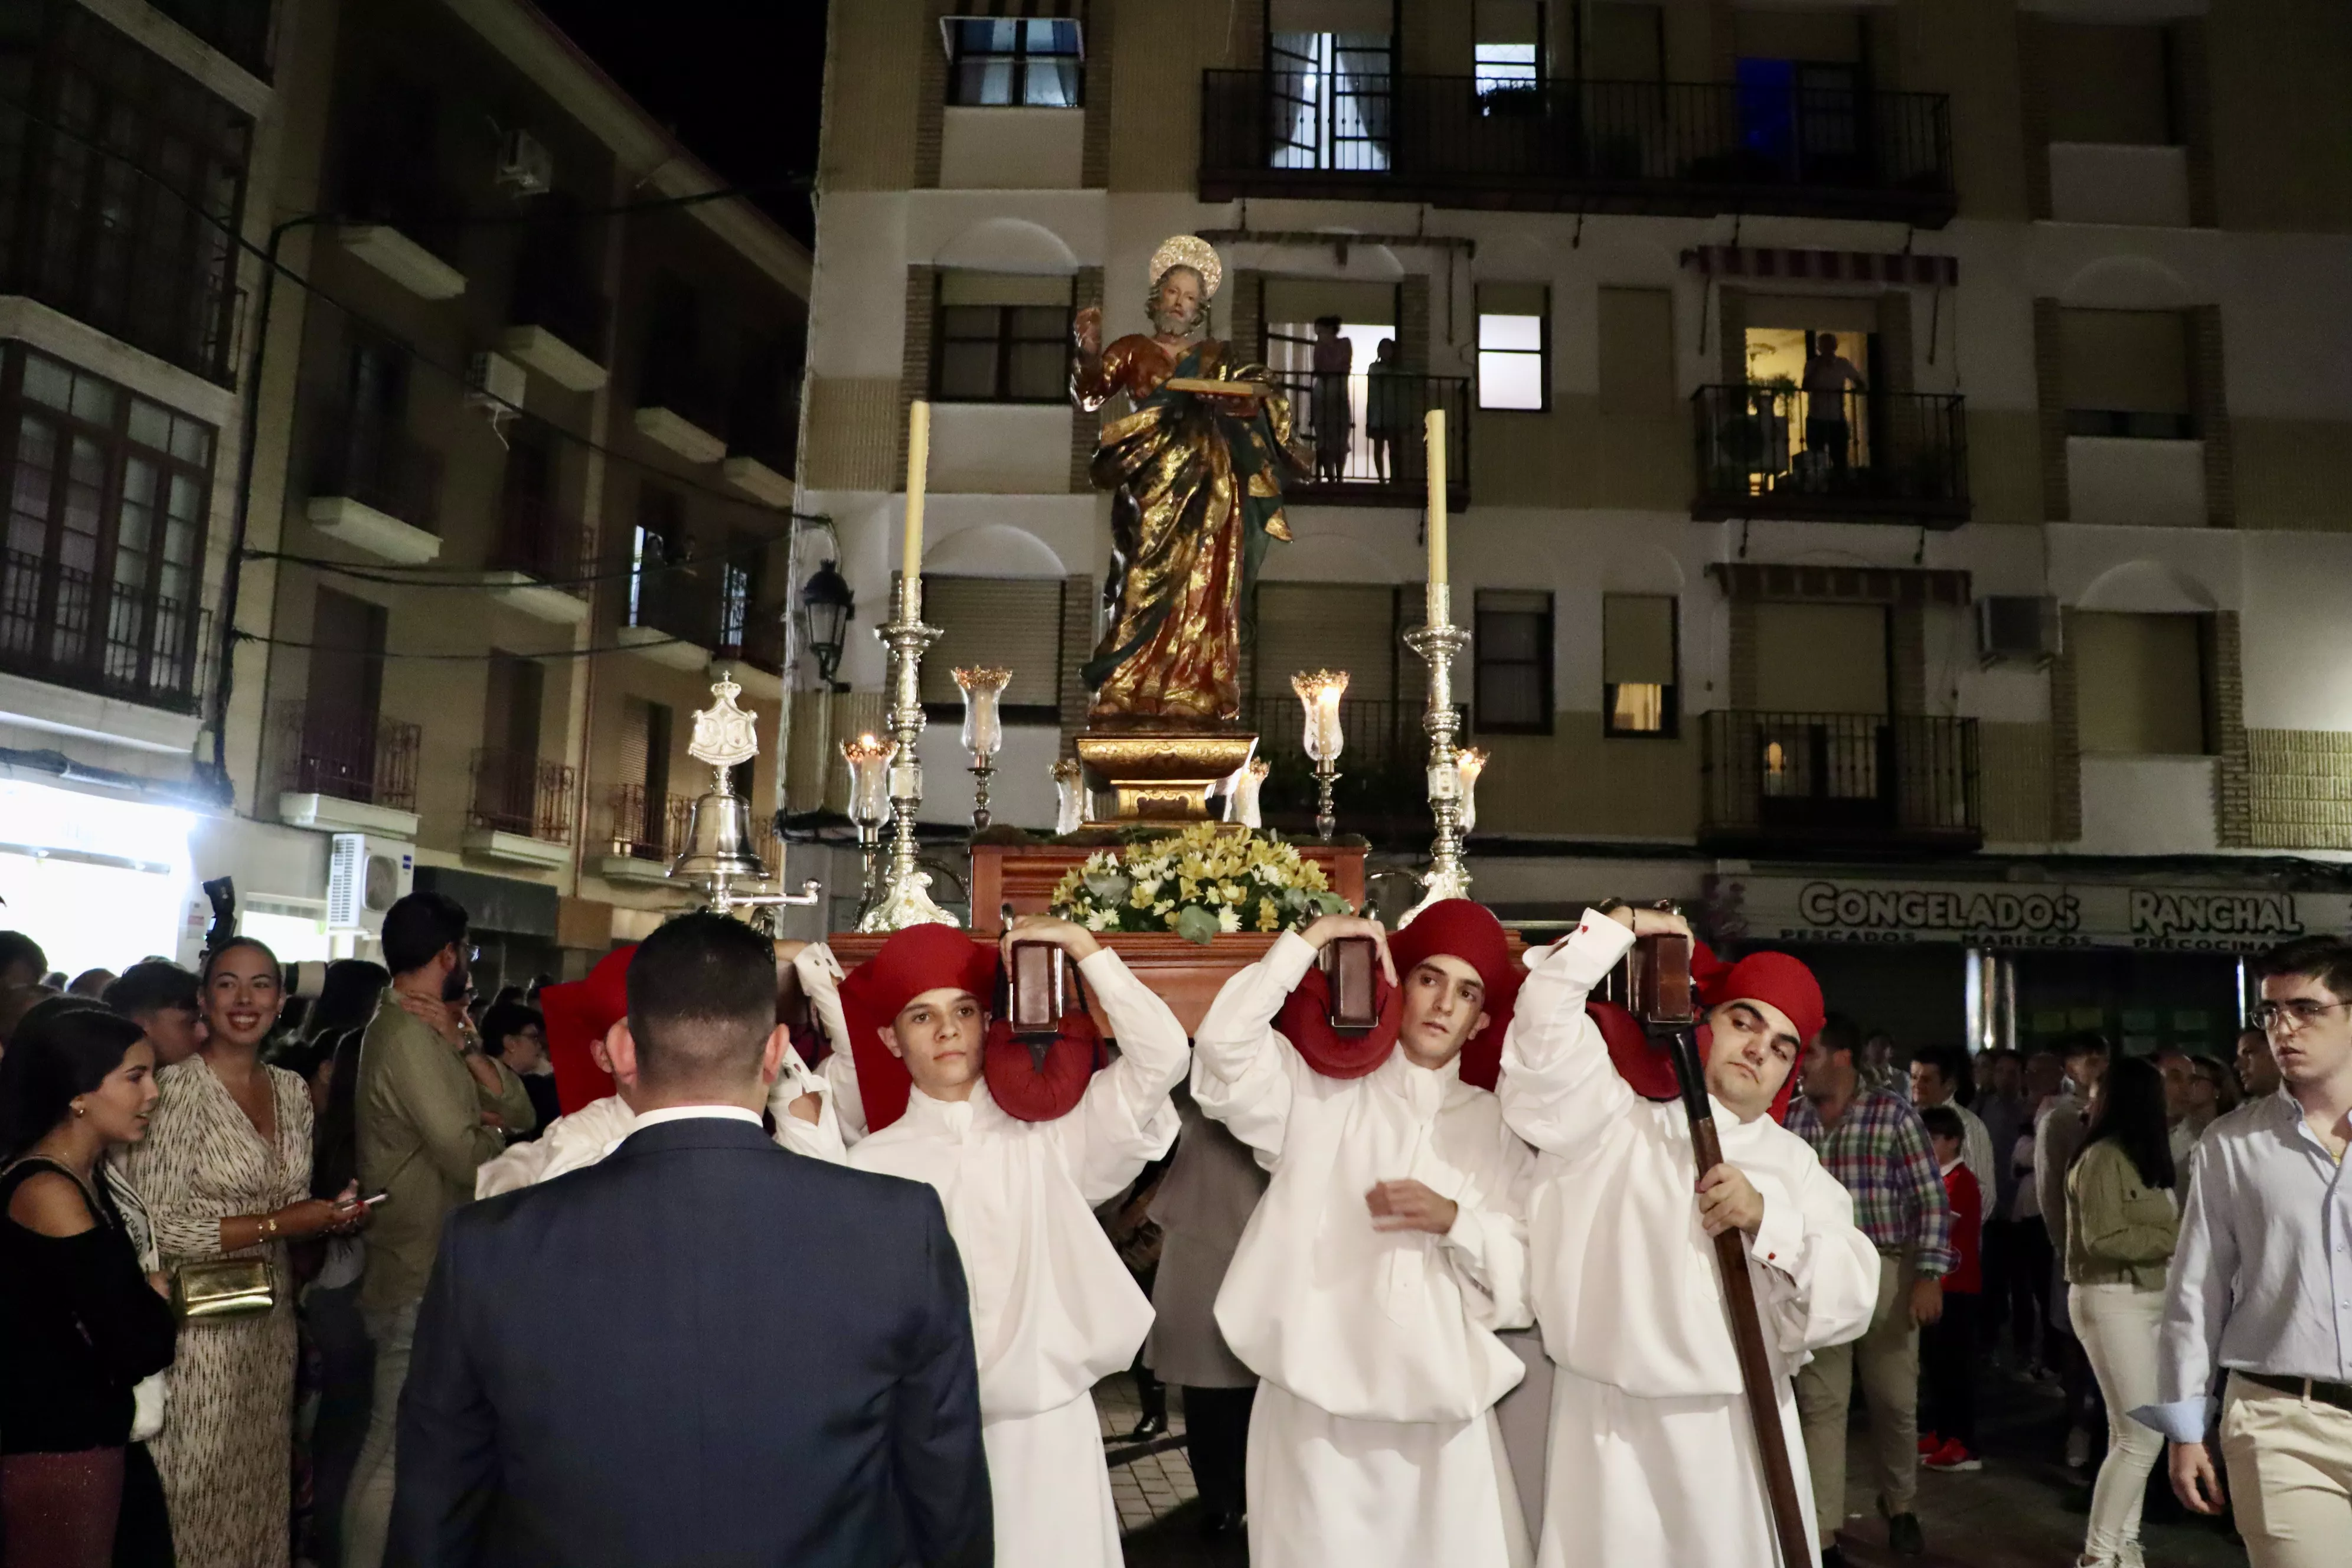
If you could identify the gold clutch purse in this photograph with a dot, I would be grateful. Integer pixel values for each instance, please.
(223, 1288)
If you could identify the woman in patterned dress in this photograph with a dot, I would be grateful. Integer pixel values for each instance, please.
(225, 1173)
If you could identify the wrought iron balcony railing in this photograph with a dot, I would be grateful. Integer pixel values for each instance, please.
(379, 465)
(574, 310)
(325, 748)
(1585, 146)
(1767, 450)
(646, 826)
(541, 540)
(140, 647)
(521, 792)
(1363, 434)
(1854, 781)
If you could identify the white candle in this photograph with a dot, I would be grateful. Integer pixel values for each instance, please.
(919, 465)
(1440, 609)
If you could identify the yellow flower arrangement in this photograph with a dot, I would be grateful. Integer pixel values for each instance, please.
(1221, 881)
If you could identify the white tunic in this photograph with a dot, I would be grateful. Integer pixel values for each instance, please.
(1053, 1310)
(1373, 1440)
(1652, 1452)
(597, 1129)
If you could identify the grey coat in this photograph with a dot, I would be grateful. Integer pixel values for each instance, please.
(1206, 1199)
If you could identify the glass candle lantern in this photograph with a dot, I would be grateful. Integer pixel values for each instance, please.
(983, 730)
(1318, 700)
(869, 779)
(1469, 762)
(1070, 795)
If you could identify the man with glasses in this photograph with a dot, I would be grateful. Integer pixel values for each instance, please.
(2261, 1285)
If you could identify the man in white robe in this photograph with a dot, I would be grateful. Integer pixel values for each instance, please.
(799, 1101)
(1390, 1246)
(1053, 1310)
(1653, 1455)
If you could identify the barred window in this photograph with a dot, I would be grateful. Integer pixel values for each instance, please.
(108, 499)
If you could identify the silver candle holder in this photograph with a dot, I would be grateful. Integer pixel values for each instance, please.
(905, 897)
(984, 729)
(1439, 644)
(1323, 737)
(867, 758)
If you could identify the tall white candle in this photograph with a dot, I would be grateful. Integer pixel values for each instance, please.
(919, 465)
(1440, 608)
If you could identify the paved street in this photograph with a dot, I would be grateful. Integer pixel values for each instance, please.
(2023, 1510)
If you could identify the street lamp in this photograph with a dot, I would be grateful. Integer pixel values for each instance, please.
(828, 608)
(1318, 700)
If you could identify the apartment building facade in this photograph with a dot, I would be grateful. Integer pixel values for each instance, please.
(1898, 447)
(523, 384)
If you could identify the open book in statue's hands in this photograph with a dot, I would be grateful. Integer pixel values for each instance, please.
(1209, 387)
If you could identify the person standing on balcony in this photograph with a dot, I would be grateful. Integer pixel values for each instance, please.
(1873, 1142)
(1827, 375)
(1388, 414)
(431, 1109)
(1335, 418)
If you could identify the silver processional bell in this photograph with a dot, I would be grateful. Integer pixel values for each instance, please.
(718, 849)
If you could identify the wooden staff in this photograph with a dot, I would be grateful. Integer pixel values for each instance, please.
(1739, 1299)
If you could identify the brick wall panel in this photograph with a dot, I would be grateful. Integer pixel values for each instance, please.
(915, 363)
(2050, 399)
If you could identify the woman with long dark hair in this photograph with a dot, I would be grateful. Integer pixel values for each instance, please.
(2122, 1221)
(225, 1173)
(80, 1323)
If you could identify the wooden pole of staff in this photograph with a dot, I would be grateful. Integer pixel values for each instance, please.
(1739, 1299)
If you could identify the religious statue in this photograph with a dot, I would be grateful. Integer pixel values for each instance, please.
(1196, 471)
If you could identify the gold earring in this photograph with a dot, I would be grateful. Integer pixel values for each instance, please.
(79, 1109)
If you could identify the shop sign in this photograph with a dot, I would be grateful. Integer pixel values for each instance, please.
(2038, 915)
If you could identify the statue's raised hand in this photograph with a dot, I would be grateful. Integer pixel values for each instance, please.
(1085, 331)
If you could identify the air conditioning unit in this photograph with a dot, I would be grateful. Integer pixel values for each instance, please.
(526, 168)
(366, 876)
(496, 382)
(2017, 627)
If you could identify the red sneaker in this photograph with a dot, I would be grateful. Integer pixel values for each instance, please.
(1929, 1444)
(1953, 1454)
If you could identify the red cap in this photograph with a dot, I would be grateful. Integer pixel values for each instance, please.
(1030, 1086)
(1770, 978)
(1457, 928)
(578, 1015)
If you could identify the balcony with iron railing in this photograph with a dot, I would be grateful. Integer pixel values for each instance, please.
(763, 432)
(682, 404)
(1363, 435)
(545, 543)
(140, 647)
(556, 323)
(523, 793)
(328, 752)
(1843, 783)
(376, 487)
(649, 830)
(1770, 450)
(1693, 147)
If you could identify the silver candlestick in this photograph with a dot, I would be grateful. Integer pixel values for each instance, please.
(1439, 644)
(905, 900)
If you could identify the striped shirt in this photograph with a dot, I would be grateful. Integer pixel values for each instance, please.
(1879, 1152)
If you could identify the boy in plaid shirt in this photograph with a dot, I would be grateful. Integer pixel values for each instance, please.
(1873, 1142)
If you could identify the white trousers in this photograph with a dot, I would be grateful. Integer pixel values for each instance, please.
(2117, 1325)
(1660, 1483)
(1329, 1492)
(1051, 1489)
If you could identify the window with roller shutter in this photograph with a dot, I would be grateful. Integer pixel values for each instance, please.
(1012, 622)
(1639, 675)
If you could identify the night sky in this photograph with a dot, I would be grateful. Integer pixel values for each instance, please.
(741, 81)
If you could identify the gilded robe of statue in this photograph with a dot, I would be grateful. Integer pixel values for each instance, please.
(1196, 483)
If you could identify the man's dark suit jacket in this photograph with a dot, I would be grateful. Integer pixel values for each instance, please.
(703, 1351)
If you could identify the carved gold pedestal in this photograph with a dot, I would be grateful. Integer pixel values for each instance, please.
(1164, 775)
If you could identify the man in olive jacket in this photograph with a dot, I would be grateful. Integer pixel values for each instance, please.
(431, 1109)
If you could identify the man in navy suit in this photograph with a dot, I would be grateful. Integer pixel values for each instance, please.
(704, 1350)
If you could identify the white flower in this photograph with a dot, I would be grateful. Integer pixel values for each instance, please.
(1229, 918)
(1149, 886)
(1163, 906)
(1101, 920)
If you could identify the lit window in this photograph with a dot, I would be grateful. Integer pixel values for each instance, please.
(1637, 707)
(1013, 62)
(1502, 65)
(1510, 360)
(1639, 666)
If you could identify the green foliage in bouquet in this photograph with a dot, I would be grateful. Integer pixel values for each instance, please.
(1196, 883)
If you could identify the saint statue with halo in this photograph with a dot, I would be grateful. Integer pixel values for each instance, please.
(1195, 469)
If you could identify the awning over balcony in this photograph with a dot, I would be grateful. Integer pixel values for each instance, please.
(1824, 266)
